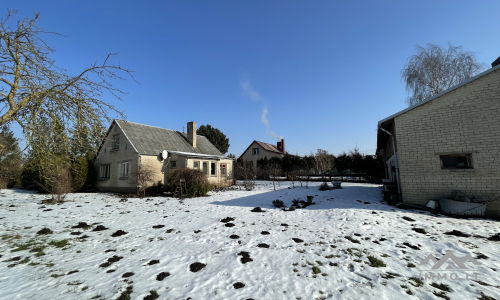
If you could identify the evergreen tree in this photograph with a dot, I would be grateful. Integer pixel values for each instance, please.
(215, 136)
(10, 158)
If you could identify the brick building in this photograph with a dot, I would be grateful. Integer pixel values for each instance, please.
(448, 142)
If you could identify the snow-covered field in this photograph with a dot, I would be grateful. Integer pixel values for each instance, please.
(63, 265)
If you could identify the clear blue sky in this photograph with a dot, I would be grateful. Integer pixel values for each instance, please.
(325, 71)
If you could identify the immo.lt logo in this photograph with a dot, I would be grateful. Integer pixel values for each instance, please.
(449, 267)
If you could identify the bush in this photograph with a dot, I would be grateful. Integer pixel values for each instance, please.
(197, 184)
(84, 173)
(278, 203)
(324, 187)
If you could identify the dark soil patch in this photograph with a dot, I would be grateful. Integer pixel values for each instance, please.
(108, 205)
(441, 295)
(263, 245)
(114, 258)
(390, 275)
(481, 256)
(152, 295)
(12, 205)
(99, 228)
(297, 240)
(105, 265)
(443, 287)
(495, 237)
(110, 250)
(158, 226)
(374, 213)
(119, 233)
(411, 246)
(333, 264)
(264, 232)
(78, 206)
(72, 272)
(419, 230)
(197, 266)
(234, 236)
(229, 225)
(83, 237)
(367, 203)
(76, 233)
(238, 285)
(357, 234)
(408, 219)
(125, 295)
(227, 220)
(197, 231)
(110, 271)
(153, 262)
(81, 225)
(48, 209)
(128, 274)
(284, 224)
(257, 209)
(382, 239)
(457, 233)
(45, 231)
(245, 257)
(162, 276)
(15, 258)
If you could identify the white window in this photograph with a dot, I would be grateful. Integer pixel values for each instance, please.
(255, 151)
(124, 169)
(196, 165)
(104, 171)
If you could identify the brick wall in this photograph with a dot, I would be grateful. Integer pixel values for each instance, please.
(465, 120)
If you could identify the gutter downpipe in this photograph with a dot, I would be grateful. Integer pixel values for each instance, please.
(396, 160)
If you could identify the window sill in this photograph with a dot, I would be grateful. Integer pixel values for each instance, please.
(459, 170)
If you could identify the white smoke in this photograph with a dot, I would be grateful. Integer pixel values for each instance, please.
(265, 121)
(255, 96)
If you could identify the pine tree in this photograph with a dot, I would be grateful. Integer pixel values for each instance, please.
(215, 136)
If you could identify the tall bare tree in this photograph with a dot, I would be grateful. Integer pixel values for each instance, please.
(434, 69)
(33, 88)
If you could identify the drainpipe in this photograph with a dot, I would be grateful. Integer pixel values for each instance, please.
(396, 160)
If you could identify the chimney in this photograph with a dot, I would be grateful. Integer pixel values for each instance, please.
(283, 145)
(496, 62)
(191, 133)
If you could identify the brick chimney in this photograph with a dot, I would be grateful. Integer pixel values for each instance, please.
(496, 62)
(281, 146)
(191, 133)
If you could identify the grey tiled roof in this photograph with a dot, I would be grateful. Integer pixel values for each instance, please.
(269, 147)
(153, 140)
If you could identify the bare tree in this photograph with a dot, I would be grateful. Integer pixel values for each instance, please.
(324, 161)
(143, 176)
(434, 69)
(56, 178)
(33, 88)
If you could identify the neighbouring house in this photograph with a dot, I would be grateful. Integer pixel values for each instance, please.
(450, 141)
(258, 150)
(128, 146)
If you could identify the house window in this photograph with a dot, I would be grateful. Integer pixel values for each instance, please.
(173, 164)
(223, 169)
(456, 161)
(205, 168)
(116, 142)
(212, 169)
(196, 165)
(255, 151)
(104, 171)
(124, 170)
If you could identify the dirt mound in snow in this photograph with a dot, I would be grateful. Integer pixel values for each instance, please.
(162, 276)
(245, 257)
(119, 233)
(263, 245)
(238, 285)
(197, 266)
(264, 232)
(44, 231)
(99, 228)
(229, 225)
(257, 209)
(81, 225)
(158, 226)
(227, 220)
(234, 236)
(297, 240)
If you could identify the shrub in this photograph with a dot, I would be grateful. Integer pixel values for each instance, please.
(324, 187)
(197, 184)
(375, 262)
(84, 173)
(278, 203)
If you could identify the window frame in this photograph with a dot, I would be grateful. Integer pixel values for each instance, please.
(173, 164)
(205, 168)
(116, 142)
(104, 171)
(468, 156)
(196, 165)
(255, 151)
(223, 169)
(124, 170)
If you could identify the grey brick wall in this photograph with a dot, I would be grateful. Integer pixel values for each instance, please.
(465, 120)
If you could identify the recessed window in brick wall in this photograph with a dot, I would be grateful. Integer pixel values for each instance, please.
(456, 161)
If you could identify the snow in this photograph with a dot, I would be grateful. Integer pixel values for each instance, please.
(356, 210)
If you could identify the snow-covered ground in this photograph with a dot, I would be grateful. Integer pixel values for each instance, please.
(193, 232)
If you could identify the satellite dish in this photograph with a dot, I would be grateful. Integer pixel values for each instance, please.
(164, 154)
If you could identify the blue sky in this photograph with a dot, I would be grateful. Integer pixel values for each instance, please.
(325, 71)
